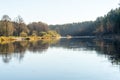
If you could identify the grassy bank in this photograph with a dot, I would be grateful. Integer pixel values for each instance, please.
(30, 38)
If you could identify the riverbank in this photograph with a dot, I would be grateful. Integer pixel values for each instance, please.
(106, 37)
(30, 38)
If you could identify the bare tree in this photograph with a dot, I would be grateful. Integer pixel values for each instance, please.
(19, 19)
(20, 26)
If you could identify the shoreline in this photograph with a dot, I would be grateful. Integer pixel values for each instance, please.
(30, 38)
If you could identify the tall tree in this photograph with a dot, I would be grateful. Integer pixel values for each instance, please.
(37, 27)
(20, 26)
(6, 18)
(6, 26)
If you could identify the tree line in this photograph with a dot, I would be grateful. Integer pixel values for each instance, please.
(109, 24)
(19, 28)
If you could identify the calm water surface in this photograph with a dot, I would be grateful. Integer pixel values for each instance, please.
(66, 59)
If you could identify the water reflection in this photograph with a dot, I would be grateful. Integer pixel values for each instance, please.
(18, 49)
(108, 48)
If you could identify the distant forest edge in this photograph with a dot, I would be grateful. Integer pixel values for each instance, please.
(107, 26)
(19, 29)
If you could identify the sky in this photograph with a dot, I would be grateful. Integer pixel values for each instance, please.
(56, 11)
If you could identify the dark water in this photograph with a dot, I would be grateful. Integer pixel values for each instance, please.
(67, 59)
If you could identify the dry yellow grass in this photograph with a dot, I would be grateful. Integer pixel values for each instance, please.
(4, 40)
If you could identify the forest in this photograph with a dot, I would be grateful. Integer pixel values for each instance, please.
(104, 26)
(19, 28)
(107, 25)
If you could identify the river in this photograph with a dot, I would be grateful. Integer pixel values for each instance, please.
(65, 59)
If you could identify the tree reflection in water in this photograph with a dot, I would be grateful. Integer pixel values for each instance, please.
(108, 48)
(17, 49)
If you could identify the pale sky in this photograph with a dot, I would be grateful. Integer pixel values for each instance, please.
(57, 11)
